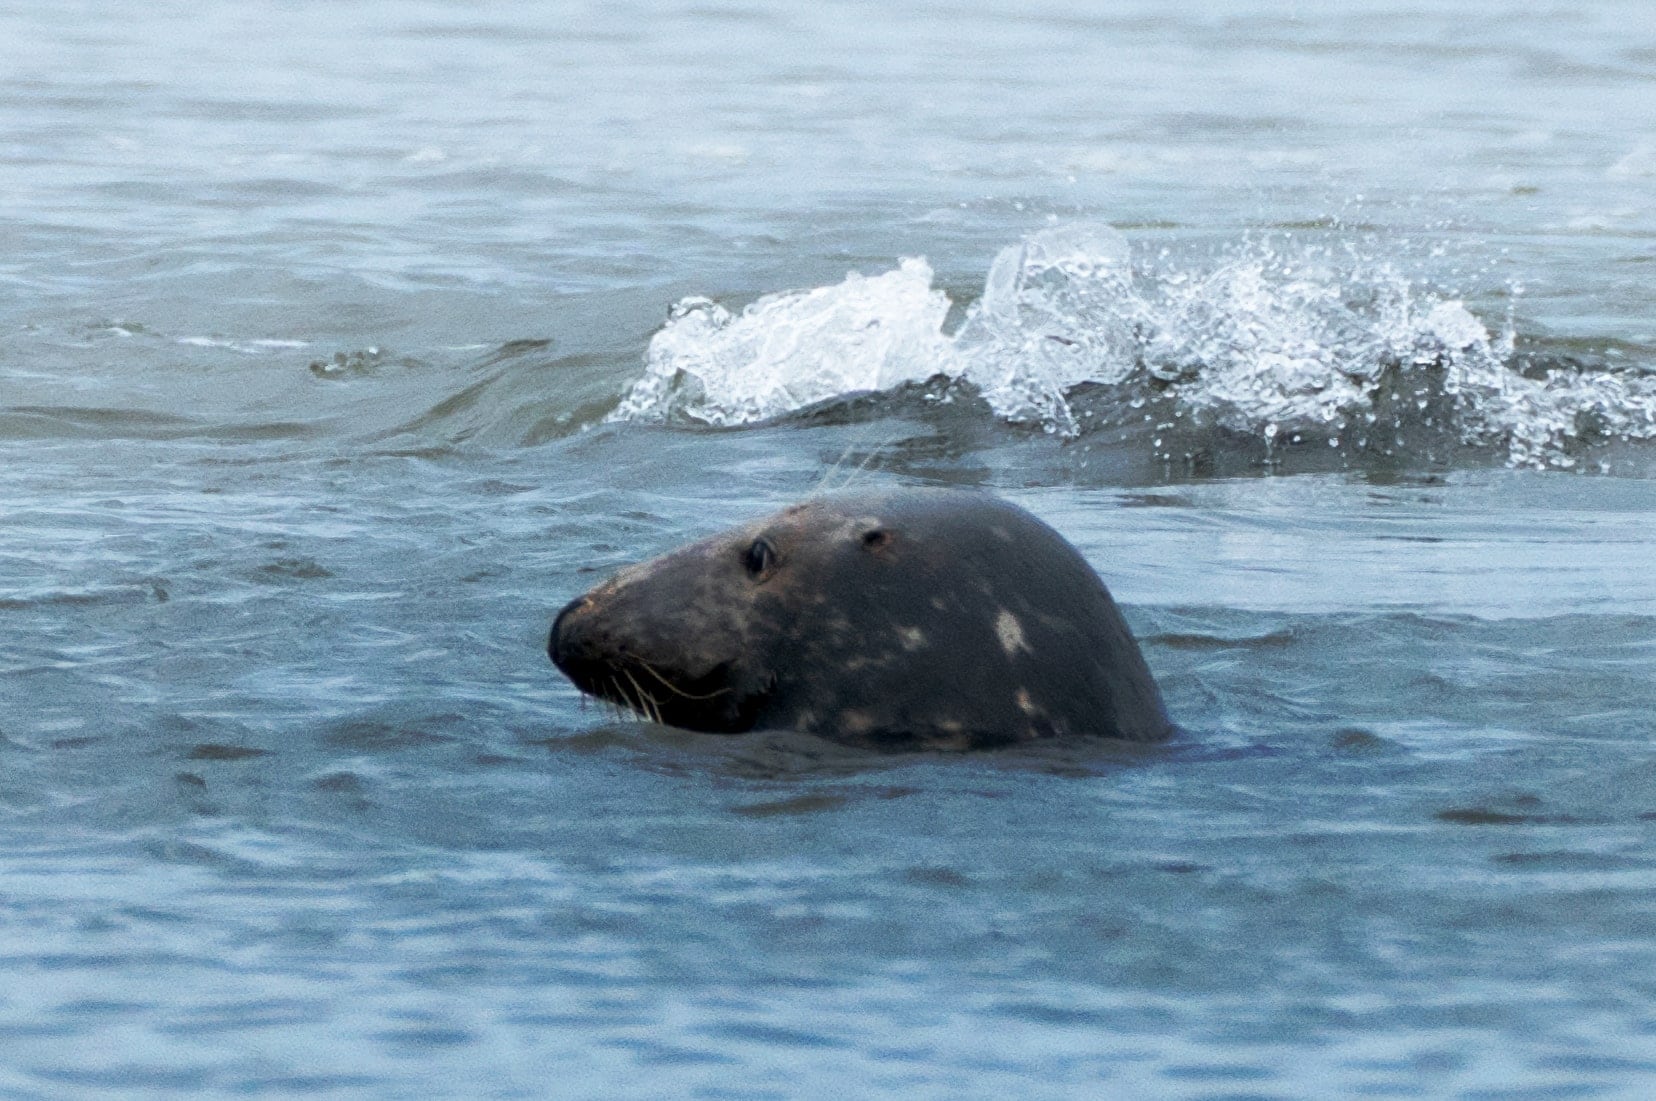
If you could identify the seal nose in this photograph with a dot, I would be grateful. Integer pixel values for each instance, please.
(558, 646)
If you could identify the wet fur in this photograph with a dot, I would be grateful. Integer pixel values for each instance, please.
(900, 617)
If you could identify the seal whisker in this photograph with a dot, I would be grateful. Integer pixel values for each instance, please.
(647, 703)
(624, 707)
(822, 485)
(675, 689)
(822, 482)
(873, 454)
(634, 700)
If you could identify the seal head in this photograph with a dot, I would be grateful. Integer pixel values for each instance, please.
(905, 617)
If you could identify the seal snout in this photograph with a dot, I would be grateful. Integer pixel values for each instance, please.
(607, 651)
(565, 645)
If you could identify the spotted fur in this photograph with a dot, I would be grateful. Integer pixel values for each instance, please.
(897, 617)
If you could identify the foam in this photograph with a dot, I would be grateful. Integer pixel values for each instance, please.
(1266, 339)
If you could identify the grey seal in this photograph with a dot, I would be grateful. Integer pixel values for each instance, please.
(893, 618)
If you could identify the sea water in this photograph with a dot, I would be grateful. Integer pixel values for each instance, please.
(341, 344)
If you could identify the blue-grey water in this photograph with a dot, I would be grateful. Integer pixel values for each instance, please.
(341, 343)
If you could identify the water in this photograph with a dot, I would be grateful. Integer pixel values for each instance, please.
(344, 343)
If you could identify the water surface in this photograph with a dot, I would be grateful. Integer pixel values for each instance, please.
(344, 343)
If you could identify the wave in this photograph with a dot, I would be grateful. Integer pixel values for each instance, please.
(1076, 335)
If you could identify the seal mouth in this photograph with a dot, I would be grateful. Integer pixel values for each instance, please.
(723, 700)
(709, 703)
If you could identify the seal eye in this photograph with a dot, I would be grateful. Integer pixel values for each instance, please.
(760, 558)
(874, 540)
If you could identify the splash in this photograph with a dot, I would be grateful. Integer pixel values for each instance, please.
(788, 351)
(1050, 318)
(1272, 340)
